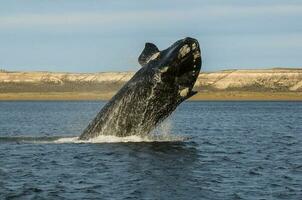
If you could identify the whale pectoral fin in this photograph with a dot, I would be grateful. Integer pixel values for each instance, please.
(192, 93)
(189, 95)
(184, 96)
(149, 50)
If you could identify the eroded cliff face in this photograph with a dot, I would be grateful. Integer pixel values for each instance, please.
(62, 82)
(283, 80)
(60, 78)
(252, 80)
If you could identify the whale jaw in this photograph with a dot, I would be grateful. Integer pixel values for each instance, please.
(179, 66)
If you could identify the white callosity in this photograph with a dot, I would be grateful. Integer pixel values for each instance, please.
(184, 92)
(194, 46)
(153, 57)
(184, 51)
(196, 54)
(164, 69)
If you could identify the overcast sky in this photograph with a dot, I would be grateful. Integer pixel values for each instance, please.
(103, 35)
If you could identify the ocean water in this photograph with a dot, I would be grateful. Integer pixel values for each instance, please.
(205, 150)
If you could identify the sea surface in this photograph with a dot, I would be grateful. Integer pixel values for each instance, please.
(206, 150)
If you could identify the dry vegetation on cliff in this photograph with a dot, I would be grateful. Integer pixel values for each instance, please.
(271, 84)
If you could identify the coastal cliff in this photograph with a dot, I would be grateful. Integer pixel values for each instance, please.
(277, 80)
(287, 82)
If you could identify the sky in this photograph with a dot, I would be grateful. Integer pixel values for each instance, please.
(109, 35)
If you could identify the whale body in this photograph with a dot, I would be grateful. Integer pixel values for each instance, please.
(165, 80)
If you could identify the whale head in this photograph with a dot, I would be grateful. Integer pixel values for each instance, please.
(178, 66)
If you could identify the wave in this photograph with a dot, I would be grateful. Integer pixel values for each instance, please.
(116, 139)
(162, 133)
(99, 139)
(30, 139)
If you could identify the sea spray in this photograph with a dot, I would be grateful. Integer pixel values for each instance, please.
(162, 133)
(130, 139)
(164, 129)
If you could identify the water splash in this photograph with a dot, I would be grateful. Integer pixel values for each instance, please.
(127, 139)
(99, 139)
(163, 129)
(162, 133)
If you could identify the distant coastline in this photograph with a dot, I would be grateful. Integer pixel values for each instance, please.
(268, 84)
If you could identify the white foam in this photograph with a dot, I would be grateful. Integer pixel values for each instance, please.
(115, 139)
(162, 133)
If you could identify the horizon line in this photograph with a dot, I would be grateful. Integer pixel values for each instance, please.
(129, 71)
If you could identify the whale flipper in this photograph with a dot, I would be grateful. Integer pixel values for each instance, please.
(191, 93)
(149, 50)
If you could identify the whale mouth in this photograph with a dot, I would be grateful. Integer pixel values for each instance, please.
(182, 63)
(188, 62)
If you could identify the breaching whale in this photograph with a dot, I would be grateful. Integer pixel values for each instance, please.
(165, 80)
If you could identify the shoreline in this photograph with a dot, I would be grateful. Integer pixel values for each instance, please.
(200, 96)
